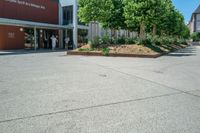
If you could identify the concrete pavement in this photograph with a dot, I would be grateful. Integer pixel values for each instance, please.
(52, 93)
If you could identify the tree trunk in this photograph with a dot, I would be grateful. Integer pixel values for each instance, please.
(112, 34)
(142, 31)
(154, 30)
(128, 33)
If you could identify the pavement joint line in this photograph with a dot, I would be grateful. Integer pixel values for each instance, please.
(89, 107)
(131, 75)
(193, 90)
(188, 93)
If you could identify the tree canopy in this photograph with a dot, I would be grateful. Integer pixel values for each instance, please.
(157, 17)
(94, 10)
(116, 20)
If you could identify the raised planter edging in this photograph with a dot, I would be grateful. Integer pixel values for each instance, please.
(112, 54)
(120, 54)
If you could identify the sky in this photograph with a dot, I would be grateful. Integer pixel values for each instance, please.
(186, 7)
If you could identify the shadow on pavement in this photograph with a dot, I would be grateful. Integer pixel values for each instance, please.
(189, 51)
(24, 51)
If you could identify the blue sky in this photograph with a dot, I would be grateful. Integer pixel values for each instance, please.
(186, 7)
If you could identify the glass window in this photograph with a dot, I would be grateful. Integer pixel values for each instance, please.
(198, 22)
(67, 15)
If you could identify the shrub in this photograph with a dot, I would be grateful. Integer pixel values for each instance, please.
(121, 40)
(105, 51)
(84, 49)
(85, 40)
(146, 41)
(183, 41)
(95, 43)
(195, 37)
(157, 40)
(131, 40)
(105, 39)
(165, 40)
(114, 40)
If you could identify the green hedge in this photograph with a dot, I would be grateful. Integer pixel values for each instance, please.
(105, 41)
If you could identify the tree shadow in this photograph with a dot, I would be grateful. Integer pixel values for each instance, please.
(176, 50)
(189, 51)
(154, 48)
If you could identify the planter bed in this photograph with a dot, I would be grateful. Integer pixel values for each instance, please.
(112, 54)
(122, 51)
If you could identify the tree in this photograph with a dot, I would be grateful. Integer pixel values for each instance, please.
(156, 14)
(172, 22)
(136, 12)
(116, 19)
(158, 17)
(94, 11)
(144, 14)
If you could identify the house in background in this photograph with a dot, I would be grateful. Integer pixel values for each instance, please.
(194, 23)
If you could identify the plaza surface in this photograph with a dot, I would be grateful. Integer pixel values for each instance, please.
(53, 93)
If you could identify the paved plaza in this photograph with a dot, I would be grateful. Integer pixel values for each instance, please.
(47, 92)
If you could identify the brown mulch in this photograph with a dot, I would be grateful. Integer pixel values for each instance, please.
(132, 49)
(127, 49)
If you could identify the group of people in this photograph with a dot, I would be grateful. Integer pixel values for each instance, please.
(54, 41)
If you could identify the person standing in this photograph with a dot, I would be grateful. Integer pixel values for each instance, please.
(67, 42)
(53, 40)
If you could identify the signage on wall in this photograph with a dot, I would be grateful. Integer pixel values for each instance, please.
(25, 3)
(11, 35)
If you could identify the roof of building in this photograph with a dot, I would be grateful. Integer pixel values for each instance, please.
(197, 10)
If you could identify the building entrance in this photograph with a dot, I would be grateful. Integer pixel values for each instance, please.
(43, 38)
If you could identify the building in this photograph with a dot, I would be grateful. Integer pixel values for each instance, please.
(194, 23)
(31, 23)
(76, 31)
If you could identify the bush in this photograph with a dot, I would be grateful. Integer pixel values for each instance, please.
(146, 41)
(131, 40)
(95, 43)
(163, 40)
(183, 41)
(106, 39)
(85, 40)
(105, 51)
(121, 40)
(114, 40)
(99, 42)
(195, 37)
(84, 49)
